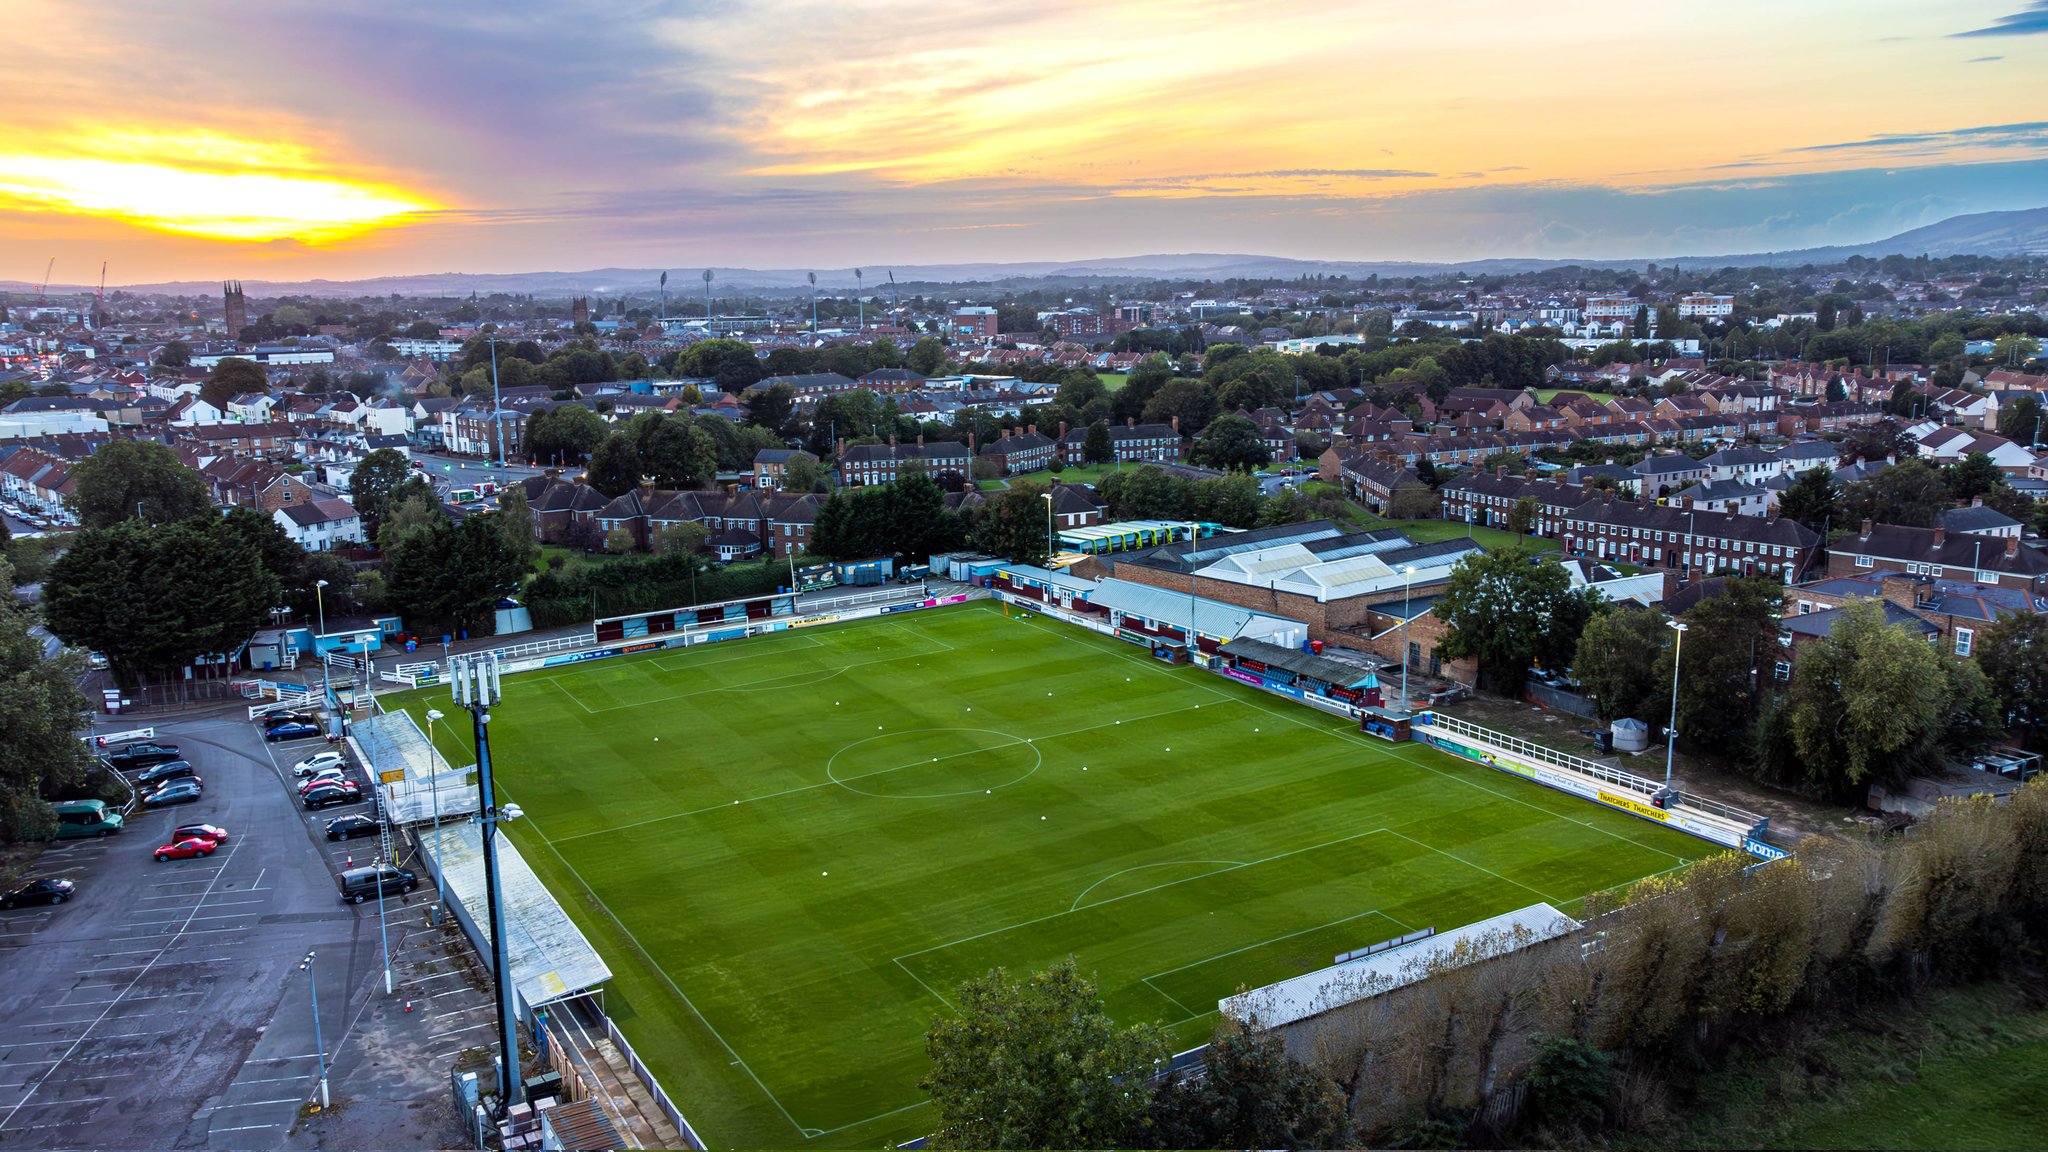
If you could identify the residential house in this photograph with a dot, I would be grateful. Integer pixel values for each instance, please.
(1996, 561)
(771, 465)
(881, 463)
(320, 525)
(1020, 452)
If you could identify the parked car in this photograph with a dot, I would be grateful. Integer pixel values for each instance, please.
(290, 730)
(183, 790)
(317, 761)
(44, 890)
(278, 716)
(211, 832)
(359, 884)
(140, 755)
(327, 780)
(168, 770)
(95, 660)
(352, 825)
(186, 849)
(328, 795)
(81, 818)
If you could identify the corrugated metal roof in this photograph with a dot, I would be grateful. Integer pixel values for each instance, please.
(550, 959)
(1212, 617)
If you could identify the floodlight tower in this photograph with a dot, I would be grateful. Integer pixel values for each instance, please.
(859, 300)
(664, 298)
(707, 300)
(814, 305)
(475, 680)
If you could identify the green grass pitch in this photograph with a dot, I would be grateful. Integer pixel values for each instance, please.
(792, 849)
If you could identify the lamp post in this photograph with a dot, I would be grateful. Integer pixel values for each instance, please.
(1194, 646)
(319, 1046)
(1407, 579)
(1047, 497)
(440, 867)
(383, 933)
(1671, 729)
(475, 681)
(326, 672)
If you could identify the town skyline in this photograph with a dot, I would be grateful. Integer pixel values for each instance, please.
(301, 143)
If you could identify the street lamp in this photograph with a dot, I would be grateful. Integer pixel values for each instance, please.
(1047, 496)
(1194, 646)
(1407, 579)
(440, 865)
(475, 683)
(1671, 730)
(326, 670)
(319, 1046)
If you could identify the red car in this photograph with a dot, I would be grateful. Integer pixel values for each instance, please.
(186, 849)
(312, 782)
(211, 832)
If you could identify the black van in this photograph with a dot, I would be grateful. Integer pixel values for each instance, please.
(359, 884)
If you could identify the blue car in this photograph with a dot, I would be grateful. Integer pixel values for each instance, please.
(290, 730)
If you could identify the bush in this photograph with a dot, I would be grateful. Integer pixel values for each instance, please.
(27, 818)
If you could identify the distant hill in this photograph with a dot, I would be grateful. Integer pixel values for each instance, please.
(2016, 233)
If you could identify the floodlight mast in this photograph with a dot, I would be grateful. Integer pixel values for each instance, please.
(474, 682)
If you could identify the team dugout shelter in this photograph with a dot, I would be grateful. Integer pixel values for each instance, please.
(1292, 672)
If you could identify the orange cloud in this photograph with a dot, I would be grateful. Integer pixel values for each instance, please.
(200, 184)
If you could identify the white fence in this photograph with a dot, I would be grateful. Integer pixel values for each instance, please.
(640, 1069)
(274, 694)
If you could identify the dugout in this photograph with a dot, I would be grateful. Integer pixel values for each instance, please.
(1300, 674)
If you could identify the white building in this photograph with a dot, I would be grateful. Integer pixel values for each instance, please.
(1705, 306)
(318, 525)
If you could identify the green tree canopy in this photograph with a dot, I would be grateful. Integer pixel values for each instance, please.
(1096, 446)
(1972, 476)
(1727, 634)
(1233, 443)
(1870, 701)
(1619, 657)
(615, 465)
(376, 477)
(230, 378)
(1252, 1096)
(1811, 499)
(1014, 524)
(40, 707)
(1037, 1063)
(771, 407)
(127, 478)
(1508, 611)
(1910, 493)
(452, 576)
(565, 435)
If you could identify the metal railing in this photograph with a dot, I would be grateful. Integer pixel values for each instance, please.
(1593, 769)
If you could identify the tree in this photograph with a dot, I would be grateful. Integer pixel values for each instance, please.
(2013, 652)
(1414, 502)
(1522, 516)
(678, 454)
(615, 466)
(803, 473)
(451, 577)
(1508, 611)
(730, 364)
(1868, 701)
(130, 478)
(683, 537)
(1233, 443)
(771, 407)
(1811, 499)
(1569, 1082)
(566, 434)
(176, 354)
(230, 378)
(1290, 506)
(1037, 1063)
(40, 706)
(514, 519)
(376, 477)
(2019, 419)
(1910, 493)
(1972, 476)
(1253, 1096)
(1191, 402)
(927, 357)
(1096, 446)
(1014, 524)
(1618, 660)
(1727, 634)
(154, 599)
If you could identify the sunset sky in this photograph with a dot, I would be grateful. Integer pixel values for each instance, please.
(288, 140)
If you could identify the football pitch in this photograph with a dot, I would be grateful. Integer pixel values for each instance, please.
(792, 849)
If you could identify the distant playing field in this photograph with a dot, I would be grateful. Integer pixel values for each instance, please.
(791, 850)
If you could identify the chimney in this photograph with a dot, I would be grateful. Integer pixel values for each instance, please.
(892, 439)
(1176, 425)
(920, 439)
(1500, 471)
(1976, 501)
(1686, 506)
(1130, 421)
(1771, 514)
(1940, 535)
(839, 449)
(1032, 429)
(1866, 529)
(1063, 429)
(970, 443)
(2012, 547)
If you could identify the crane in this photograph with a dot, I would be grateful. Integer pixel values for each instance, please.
(103, 282)
(99, 304)
(45, 285)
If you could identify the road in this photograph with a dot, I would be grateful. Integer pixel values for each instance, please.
(167, 1005)
(463, 471)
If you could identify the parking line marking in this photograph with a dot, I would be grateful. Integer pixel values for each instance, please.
(466, 1028)
(246, 1127)
(260, 1103)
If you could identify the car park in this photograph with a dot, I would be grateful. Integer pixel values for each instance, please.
(186, 849)
(290, 730)
(129, 757)
(168, 770)
(359, 884)
(211, 832)
(328, 795)
(183, 790)
(318, 761)
(44, 890)
(350, 826)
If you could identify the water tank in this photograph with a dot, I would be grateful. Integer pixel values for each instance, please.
(1630, 735)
